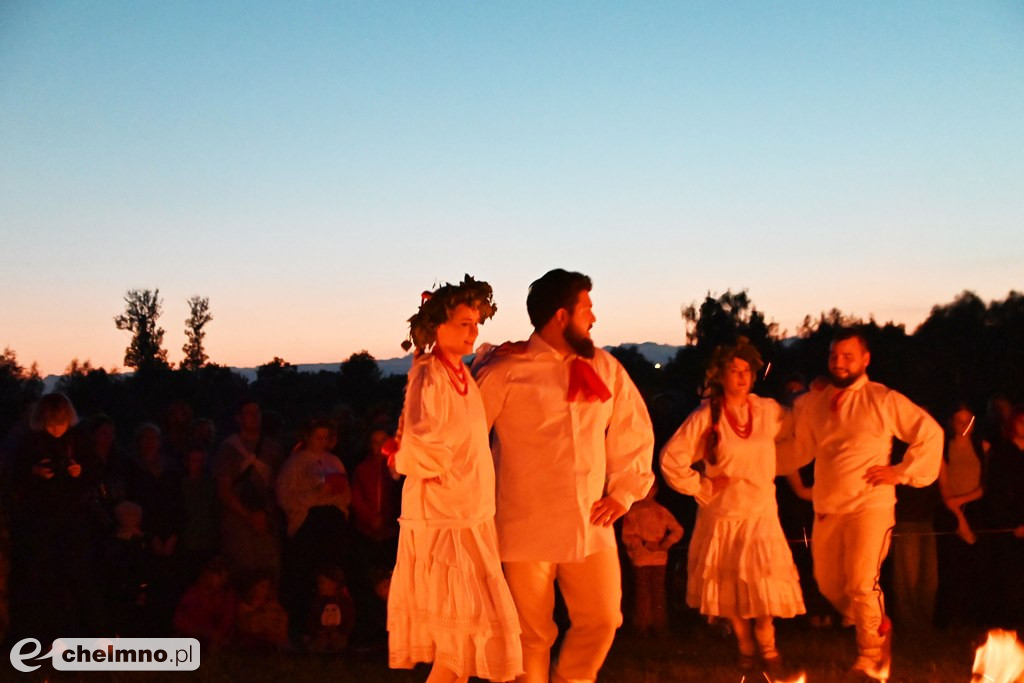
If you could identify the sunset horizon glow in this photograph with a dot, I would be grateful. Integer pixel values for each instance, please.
(312, 167)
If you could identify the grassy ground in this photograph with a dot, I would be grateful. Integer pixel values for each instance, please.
(692, 653)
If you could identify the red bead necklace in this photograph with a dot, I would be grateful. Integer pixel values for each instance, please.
(742, 431)
(456, 375)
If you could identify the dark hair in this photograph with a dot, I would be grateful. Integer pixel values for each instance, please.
(436, 307)
(245, 400)
(853, 332)
(315, 423)
(555, 289)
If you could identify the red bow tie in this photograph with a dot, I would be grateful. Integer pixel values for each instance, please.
(585, 384)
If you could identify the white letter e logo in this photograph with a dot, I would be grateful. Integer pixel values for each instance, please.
(18, 657)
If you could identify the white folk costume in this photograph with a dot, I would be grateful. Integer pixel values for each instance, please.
(449, 601)
(848, 431)
(739, 564)
(555, 458)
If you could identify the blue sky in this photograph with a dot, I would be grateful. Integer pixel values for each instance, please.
(312, 166)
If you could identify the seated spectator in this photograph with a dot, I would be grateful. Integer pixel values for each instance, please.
(207, 610)
(261, 623)
(332, 614)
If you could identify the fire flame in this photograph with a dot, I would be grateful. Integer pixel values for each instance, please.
(802, 678)
(1000, 659)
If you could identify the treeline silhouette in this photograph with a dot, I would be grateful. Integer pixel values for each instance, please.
(966, 350)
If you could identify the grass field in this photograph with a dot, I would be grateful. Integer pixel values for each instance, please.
(692, 653)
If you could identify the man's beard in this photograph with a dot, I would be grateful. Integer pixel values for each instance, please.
(842, 383)
(578, 342)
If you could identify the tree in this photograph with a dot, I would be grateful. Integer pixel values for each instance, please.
(199, 316)
(142, 310)
(721, 320)
(360, 380)
(718, 320)
(18, 389)
(92, 390)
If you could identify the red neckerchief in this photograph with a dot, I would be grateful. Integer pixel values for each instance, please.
(585, 384)
(838, 399)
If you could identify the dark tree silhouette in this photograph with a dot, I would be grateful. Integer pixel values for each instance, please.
(92, 390)
(721, 320)
(19, 387)
(360, 380)
(968, 351)
(718, 320)
(639, 369)
(142, 310)
(199, 316)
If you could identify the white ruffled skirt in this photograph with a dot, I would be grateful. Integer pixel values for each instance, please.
(742, 568)
(449, 603)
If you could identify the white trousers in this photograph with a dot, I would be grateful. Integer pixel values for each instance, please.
(592, 590)
(848, 551)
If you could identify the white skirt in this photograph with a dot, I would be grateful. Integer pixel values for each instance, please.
(449, 603)
(742, 568)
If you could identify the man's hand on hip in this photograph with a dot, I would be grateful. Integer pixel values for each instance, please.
(882, 474)
(606, 511)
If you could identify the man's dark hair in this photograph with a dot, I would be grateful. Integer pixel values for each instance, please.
(555, 289)
(853, 332)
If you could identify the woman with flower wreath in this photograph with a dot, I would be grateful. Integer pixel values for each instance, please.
(739, 566)
(449, 602)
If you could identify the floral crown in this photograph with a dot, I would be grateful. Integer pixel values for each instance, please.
(435, 307)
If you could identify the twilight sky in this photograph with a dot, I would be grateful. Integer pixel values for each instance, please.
(312, 166)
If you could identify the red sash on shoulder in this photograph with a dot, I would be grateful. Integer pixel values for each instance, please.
(585, 384)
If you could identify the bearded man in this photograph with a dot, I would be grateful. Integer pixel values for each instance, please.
(572, 443)
(848, 428)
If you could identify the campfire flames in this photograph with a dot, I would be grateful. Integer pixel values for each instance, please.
(1000, 659)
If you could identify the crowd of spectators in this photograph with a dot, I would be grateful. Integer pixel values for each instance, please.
(241, 540)
(248, 539)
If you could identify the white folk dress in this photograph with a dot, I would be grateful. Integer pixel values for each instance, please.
(449, 601)
(739, 564)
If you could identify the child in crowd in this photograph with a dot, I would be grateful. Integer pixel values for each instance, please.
(128, 573)
(648, 531)
(207, 609)
(262, 622)
(332, 614)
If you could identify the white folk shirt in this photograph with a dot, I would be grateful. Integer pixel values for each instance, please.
(849, 433)
(556, 458)
(750, 463)
(444, 451)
